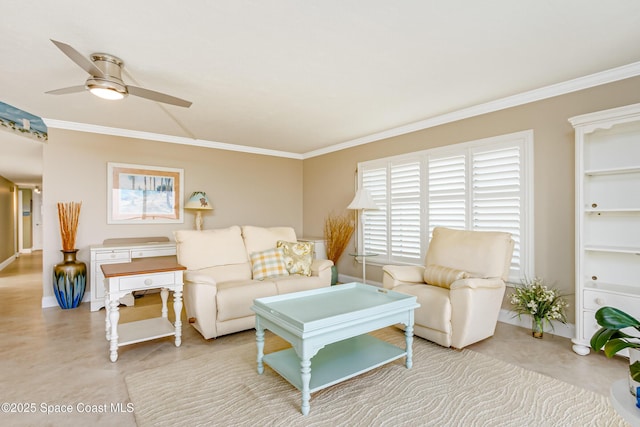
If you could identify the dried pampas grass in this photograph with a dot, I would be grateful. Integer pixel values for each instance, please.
(338, 230)
(68, 215)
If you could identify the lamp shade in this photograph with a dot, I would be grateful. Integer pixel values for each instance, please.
(198, 200)
(362, 200)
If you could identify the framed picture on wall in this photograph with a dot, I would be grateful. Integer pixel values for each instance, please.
(139, 194)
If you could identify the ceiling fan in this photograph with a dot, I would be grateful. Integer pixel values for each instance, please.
(105, 78)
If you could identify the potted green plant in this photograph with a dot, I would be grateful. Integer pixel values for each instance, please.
(612, 339)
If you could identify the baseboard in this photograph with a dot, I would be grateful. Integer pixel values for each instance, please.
(25, 250)
(563, 330)
(7, 261)
(51, 301)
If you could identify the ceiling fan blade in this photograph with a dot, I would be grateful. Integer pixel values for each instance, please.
(157, 96)
(79, 59)
(66, 90)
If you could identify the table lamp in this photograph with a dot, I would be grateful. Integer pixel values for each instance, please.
(198, 202)
(361, 202)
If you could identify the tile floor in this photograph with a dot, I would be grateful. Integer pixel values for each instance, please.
(55, 364)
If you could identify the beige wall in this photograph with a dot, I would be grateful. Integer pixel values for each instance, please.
(243, 188)
(329, 179)
(8, 202)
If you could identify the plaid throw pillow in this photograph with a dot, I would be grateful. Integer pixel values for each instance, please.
(268, 264)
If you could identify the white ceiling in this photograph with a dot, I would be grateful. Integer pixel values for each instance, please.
(303, 76)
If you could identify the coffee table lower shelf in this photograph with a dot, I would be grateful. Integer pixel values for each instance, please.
(336, 362)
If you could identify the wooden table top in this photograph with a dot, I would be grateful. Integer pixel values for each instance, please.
(159, 264)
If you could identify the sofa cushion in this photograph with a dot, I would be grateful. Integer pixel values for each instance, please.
(438, 275)
(268, 264)
(258, 239)
(235, 299)
(297, 283)
(229, 273)
(208, 248)
(298, 256)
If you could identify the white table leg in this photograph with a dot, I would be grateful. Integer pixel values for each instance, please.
(164, 295)
(177, 308)
(260, 344)
(305, 372)
(107, 324)
(114, 317)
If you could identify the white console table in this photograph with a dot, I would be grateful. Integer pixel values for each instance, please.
(119, 251)
(122, 279)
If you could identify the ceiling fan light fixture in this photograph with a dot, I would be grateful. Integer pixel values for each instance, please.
(106, 89)
(109, 94)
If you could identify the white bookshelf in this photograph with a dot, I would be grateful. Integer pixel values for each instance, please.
(607, 216)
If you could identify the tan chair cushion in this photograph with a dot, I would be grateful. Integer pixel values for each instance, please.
(479, 253)
(438, 275)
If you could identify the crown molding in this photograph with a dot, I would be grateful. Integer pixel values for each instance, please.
(580, 83)
(574, 85)
(127, 133)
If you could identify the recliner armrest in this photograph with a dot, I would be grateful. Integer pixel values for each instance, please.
(477, 283)
(394, 275)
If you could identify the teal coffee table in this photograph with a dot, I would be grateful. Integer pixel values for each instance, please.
(327, 329)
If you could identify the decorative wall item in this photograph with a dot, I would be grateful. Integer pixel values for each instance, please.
(15, 120)
(70, 276)
(140, 194)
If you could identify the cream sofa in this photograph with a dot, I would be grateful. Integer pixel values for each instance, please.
(219, 285)
(460, 288)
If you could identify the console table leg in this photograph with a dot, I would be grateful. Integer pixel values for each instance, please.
(164, 295)
(260, 345)
(305, 371)
(408, 337)
(107, 325)
(177, 308)
(114, 317)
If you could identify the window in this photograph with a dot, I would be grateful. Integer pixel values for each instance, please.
(480, 185)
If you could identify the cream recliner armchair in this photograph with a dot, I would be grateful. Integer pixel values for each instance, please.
(460, 288)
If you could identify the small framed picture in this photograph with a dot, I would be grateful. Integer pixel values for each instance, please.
(139, 194)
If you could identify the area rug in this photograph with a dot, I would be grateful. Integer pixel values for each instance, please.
(445, 387)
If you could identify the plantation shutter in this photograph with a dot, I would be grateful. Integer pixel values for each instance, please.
(483, 185)
(447, 192)
(497, 194)
(375, 230)
(405, 210)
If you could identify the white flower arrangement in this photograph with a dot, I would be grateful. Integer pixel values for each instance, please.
(534, 298)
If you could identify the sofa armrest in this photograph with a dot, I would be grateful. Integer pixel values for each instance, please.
(200, 292)
(477, 283)
(319, 265)
(394, 275)
(197, 277)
